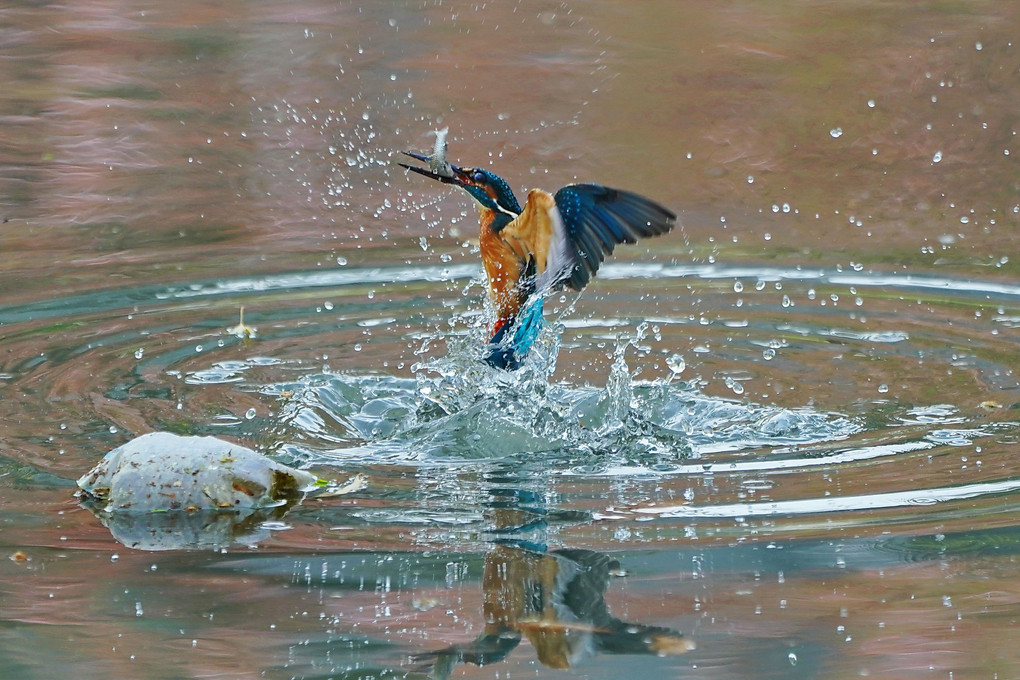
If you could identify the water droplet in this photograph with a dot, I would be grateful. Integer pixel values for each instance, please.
(113, 429)
(978, 46)
(750, 179)
(423, 243)
(871, 103)
(676, 364)
(738, 287)
(198, 348)
(836, 132)
(734, 385)
(768, 354)
(249, 414)
(139, 352)
(342, 261)
(937, 157)
(328, 305)
(883, 388)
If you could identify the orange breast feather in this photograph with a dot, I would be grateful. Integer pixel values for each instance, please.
(503, 268)
(506, 254)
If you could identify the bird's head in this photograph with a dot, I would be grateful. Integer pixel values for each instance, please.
(490, 190)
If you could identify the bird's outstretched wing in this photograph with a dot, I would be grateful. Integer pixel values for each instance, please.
(597, 218)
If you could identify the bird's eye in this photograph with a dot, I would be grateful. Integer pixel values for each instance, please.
(479, 176)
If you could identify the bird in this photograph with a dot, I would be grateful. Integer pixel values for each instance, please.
(554, 242)
(556, 600)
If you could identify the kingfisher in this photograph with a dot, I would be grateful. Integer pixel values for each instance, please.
(554, 242)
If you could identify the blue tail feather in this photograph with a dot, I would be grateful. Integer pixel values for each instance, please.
(510, 345)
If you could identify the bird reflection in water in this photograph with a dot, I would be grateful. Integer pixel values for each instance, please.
(555, 599)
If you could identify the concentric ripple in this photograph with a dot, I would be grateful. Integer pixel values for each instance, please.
(713, 395)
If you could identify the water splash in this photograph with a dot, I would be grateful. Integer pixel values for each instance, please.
(455, 408)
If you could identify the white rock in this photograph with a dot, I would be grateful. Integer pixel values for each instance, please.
(162, 472)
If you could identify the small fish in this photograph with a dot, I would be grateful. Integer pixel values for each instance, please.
(437, 161)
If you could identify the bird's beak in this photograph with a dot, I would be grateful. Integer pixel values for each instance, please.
(458, 177)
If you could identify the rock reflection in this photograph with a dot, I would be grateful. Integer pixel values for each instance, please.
(190, 530)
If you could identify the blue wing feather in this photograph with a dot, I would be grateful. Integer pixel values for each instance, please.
(597, 218)
(608, 234)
